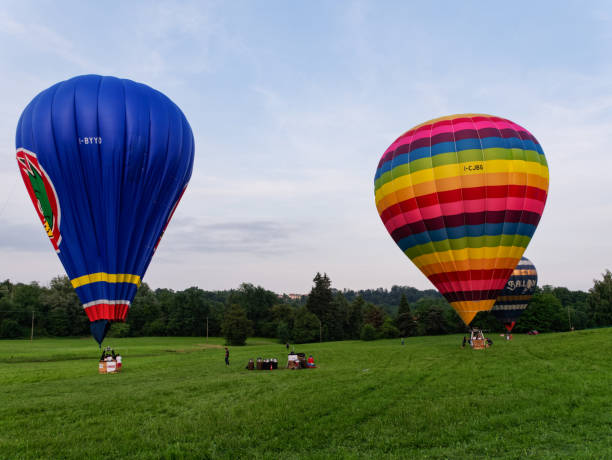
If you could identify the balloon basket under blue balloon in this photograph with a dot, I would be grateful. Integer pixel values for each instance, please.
(109, 367)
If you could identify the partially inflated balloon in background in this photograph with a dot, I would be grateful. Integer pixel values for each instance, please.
(461, 196)
(517, 293)
(105, 162)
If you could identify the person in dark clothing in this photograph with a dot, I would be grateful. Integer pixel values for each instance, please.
(226, 356)
(287, 345)
(464, 340)
(107, 352)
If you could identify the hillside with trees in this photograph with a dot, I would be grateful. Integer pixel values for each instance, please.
(324, 314)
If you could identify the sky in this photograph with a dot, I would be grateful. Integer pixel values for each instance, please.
(292, 105)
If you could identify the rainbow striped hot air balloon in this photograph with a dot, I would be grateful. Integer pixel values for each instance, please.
(462, 196)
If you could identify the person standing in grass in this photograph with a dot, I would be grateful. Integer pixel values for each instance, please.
(226, 356)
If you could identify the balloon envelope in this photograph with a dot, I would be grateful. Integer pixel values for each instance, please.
(517, 293)
(461, 196)
(105, 161)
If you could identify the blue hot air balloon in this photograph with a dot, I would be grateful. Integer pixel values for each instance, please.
(517, 293)
(105, 162)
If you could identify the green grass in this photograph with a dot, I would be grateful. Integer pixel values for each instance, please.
(547, 396)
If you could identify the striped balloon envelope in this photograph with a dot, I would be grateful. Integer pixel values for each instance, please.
(518, 291)
(462, 196)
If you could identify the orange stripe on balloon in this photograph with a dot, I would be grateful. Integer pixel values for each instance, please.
(473, 264)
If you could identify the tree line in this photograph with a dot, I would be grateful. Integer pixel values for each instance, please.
(324, 314)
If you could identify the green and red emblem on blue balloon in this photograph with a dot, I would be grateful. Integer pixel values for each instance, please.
(42, 193)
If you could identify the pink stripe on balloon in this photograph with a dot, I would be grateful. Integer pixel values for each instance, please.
(474, 205)
(471, 285)
(430, 212)
(451, 209)
(403, 219)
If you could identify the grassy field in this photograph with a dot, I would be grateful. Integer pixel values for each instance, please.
(547, 396)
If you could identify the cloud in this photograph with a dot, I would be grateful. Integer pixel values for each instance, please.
(24, 237)
(36, 37)
(262, 238)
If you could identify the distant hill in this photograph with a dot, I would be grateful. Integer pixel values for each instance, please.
(389, 299)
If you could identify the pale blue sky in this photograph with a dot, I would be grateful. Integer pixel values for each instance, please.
(292, 104)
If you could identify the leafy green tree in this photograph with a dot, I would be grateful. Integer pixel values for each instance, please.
(119, 330)
(355, 319)
(431, 319)
(388, 329)
(406, 325)
(215, 318)
(189, 312)
(145, 309)
(483, 320)
(368, 332)
(10, 329)
(282, 312)
(6, 288)
(305, 326)
(155, 328)
(236, 326)
(335, 318)
(544, 313)
(374, 315)
(283, 332)
(65, 313)
(58, 322)
(600, 300)
(257, 302)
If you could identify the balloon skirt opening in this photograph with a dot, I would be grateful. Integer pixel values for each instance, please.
(99, 329)
(468, 309)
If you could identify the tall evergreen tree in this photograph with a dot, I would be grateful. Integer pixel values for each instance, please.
(404, 307)
(374, 315)
(321, 296)
(321, 303)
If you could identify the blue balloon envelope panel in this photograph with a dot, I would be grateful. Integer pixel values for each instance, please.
(105, 162)
(517, 293)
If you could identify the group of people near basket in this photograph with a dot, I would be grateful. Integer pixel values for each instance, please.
(299, 361)
(477, 340)
(294, 361)
(111, 358)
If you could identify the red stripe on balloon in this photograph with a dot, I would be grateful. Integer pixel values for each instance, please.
(113, 312)
(471, 193)
(467, 275)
